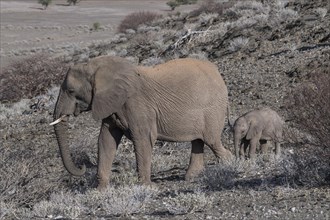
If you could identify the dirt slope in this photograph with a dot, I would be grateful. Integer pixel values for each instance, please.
(262, 50)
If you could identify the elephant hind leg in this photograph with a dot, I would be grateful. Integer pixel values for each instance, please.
(219, 150)
(196, 164)
(264, 146)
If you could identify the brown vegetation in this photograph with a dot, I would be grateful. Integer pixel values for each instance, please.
(309, 106)
(30, 77)
(132, 21)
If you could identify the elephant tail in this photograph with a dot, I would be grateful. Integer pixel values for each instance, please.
(229, 127)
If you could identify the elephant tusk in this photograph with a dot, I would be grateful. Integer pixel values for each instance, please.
(57, 120)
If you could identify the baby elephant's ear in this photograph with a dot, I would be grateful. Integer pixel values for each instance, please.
(254, 130)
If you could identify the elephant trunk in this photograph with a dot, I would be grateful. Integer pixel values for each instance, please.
(61, 130)
(237, 141)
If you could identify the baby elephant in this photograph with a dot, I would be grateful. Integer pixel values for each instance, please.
(260, 125)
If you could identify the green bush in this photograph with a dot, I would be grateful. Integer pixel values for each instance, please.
(172, 4)
(132, 21)
(96, 26)
(175, 3)
(74, 2)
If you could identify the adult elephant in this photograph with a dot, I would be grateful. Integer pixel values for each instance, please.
(181, 100)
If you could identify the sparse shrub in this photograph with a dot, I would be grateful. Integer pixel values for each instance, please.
(5, 210)
(96, 26)
(17, 108)
(207, 19)
(222, 176)
(45, 3)
(310, 108)
(74, 2)
(245, 14)
(247, 9)
(172, 4)
(311, 167)
(183, 203)
(121, 201)
(321, 12)
(238, 43)
(126, 176)
(287, 14)
(24, 169)
(30, 77)
(64, 204)
(200, 55)
(211, 7)
(152, 61)
(281, 13)
(175, 3)
(132, 21)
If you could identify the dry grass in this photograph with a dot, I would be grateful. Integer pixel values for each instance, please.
(309, 108)
(183, 203)
(121, 201)
(211, 7)
(34, 183)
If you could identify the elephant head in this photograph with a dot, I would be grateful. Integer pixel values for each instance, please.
(102, 86)
(243, 129)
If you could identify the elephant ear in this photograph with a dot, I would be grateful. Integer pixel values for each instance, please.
(254, 130)
(114, 84)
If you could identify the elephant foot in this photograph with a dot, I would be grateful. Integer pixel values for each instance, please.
(192, 175)
(102, 185)
(266, 157)
(146, 182)
(277, 156)
(228, 156)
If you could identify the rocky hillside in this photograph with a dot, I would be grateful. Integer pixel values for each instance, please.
(264, 50)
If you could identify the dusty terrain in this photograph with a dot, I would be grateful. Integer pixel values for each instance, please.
(263, 51)
(27, 29)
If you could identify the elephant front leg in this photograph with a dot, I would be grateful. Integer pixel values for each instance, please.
(277, 150)
(196, 164)
(108, 142)
(243, 149)
(143, 152)
(253, 147)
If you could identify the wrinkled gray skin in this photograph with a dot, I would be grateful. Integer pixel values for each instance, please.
(181, 100)
(257, 126)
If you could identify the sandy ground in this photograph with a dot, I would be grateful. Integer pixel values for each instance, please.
(26, 28)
